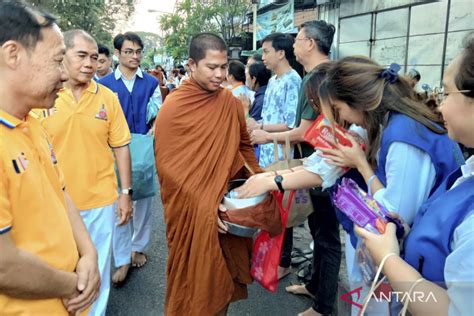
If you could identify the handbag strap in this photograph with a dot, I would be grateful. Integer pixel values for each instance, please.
(279, 197)
(275, 150)
(287, 147)
(407, 301)
(246, 165)
(375, 284)
(300, 149)
(286, 150)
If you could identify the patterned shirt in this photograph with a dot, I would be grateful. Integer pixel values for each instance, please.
(279, 107)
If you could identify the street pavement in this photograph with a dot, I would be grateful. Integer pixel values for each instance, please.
(143, 292)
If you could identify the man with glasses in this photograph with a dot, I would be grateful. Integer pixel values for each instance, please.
(311, 48)
(139, 94)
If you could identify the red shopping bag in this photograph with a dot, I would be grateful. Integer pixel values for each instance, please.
(267, 250)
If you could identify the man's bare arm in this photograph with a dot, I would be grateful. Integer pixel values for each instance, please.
(124, 207)
(295, 135)
(26, 276)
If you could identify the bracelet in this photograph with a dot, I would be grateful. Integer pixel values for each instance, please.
(369, 184)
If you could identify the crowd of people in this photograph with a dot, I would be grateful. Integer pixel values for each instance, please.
(74, 130)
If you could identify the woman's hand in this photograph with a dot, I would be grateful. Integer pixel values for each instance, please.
(380, 245)
(345, 156)
(255, 186)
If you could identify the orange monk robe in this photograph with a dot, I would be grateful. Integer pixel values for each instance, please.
(201, 141)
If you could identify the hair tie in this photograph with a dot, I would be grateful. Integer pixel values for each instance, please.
(391, 73)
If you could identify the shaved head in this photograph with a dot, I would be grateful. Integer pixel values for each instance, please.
(203, 42)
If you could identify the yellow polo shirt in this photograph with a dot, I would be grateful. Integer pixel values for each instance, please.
(83, 133)
(32, 206)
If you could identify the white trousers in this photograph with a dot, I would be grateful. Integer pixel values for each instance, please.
(135, 235)
(100, 225)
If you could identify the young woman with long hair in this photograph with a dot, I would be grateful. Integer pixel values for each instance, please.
(438, 257)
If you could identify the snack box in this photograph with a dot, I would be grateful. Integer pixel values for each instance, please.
(362, 209)
(320, 134)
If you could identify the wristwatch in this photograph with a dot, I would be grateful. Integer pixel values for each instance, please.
(278, 180)
(127, 191)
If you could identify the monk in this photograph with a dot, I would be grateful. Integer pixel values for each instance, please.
(201, 144)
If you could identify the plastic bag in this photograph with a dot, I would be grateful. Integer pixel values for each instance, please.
(267, 250)
(143, 166)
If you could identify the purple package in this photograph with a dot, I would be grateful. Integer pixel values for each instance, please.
(362, 209)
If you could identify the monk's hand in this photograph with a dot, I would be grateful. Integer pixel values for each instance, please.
(379, 245)
(221, 226)
(259, 136)
(255, 186)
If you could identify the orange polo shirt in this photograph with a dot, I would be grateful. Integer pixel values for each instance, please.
(32, 206)
(83, 133)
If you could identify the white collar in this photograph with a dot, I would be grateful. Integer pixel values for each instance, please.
(118, 74)
(468, 168)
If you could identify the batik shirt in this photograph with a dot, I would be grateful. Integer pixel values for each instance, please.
(279, 107)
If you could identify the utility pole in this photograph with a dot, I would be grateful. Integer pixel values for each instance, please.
(254, 24)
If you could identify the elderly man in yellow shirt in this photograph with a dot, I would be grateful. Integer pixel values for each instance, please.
(48, 264)
(87, 128)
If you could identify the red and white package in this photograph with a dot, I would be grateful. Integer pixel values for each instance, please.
(321, 135)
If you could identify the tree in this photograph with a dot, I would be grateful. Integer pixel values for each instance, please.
(193, 16)
(97, 17)
(152, 43)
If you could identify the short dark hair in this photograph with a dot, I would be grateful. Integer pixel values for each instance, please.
(322, 32)
(203, 42)
(260, 72)
(70, 36)
(129, 36)
(256, 57)
(22, 23)
(104, 50)
(282, 42)
(182, 71)
(465, 78)
(237, 70)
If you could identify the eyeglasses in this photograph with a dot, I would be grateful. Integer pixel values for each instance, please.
(131, 52)
(444, 94)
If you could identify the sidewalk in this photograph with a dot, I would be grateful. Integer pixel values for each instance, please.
(144, 291)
